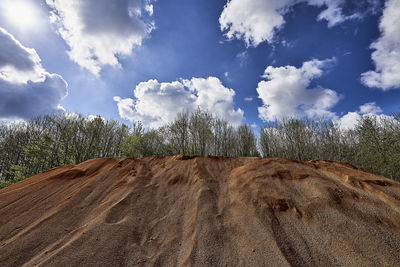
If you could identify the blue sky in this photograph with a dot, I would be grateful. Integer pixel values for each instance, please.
(248, 61)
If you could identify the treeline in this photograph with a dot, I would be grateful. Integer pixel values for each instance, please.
(374, 143)
(27, 148)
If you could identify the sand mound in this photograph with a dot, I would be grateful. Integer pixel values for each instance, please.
(215, 211)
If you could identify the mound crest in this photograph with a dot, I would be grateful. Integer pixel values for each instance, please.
(201, 211)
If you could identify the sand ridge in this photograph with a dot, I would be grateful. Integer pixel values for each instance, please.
(201, 211)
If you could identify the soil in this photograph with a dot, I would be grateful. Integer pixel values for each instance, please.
(201, 211)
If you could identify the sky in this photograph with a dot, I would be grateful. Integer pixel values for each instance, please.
(246, 61)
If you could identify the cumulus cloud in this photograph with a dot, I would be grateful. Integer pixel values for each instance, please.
(350, 119)
(18, 64)
(156, 103)
(370, 108)
(257, 21)
(254, 21)
(386, 56)
(98, 31)
(26, 89)
(286, 92)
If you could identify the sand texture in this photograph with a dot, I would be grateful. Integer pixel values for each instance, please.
(201, 211)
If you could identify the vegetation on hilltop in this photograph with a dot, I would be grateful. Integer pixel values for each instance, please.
(28, 148)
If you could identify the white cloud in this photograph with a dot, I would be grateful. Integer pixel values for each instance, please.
(98, 31)
(248, 99)
(26, 89)
(156, 103)
(286, 92)
(350, 119)
(387, 51)
(333, 13)
(257, 21)
(254, 21)
(370, 107)
(149, 8)
(18, 64)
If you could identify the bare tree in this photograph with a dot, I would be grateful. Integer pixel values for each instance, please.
(247, 142)
(200, 124)
(52, 140)
(179, 131)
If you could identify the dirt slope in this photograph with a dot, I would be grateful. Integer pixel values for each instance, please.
(201, 211)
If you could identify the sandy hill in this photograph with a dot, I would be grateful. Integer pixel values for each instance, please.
(201, 211)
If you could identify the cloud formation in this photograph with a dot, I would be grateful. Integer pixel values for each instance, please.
(350, 119)
(286, 92)
(386, 56)
(98, 31)
(18, 64)
(257, 21)
(26, 89)
(156, 103)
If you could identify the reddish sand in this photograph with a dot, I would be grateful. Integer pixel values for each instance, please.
(201, 211)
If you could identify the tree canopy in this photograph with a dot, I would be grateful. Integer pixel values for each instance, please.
(44, 142)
